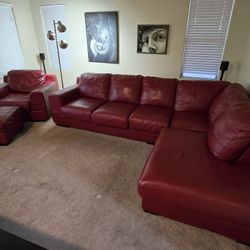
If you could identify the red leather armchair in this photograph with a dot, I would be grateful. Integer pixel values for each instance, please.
(29, 90)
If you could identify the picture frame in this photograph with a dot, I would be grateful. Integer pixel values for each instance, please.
(102, 36)
(152, 38)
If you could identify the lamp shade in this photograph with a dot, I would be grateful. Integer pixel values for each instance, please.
(63, 44)
(60, 27)
(51, 35)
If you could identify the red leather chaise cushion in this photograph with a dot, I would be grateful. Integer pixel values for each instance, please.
(25, 80)
(125, 88)
(158, 92)
(190, 120)
(183, 180)
(229, 134)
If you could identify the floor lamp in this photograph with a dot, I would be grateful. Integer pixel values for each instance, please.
(52, 35)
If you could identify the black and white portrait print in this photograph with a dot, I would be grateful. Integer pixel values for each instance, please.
(152, 39)
(102, 36)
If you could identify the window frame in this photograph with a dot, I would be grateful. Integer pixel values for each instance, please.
(191, 75)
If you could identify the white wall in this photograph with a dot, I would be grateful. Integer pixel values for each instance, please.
(237, 49)
(131, 13)
(26, 31)
(244, 72)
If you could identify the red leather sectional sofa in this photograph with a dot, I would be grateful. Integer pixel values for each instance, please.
(199, 169)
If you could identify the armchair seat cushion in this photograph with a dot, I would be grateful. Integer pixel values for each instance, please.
(181, 172)
(113, 114)
(81, 108)
(21, 100)
(150, 118)
(190, 120)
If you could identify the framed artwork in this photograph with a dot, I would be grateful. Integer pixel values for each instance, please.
(152, 39)
(102, 36)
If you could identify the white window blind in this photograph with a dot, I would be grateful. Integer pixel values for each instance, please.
(57, 13)
(206, 35)
(11, 56)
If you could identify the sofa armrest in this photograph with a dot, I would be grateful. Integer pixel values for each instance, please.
(4, 90)
(61, 97)
(51, 78)
(39, 98)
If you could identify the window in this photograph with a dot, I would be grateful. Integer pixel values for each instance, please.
(57, 13)
(206, 35)
(11, 56)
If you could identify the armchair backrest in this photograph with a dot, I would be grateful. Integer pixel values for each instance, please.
(25, 80)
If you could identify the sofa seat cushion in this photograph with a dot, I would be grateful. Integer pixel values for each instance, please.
(81, 108)
(150, 118)
(113, 114)
(183, 173)
(190, 120)
(21, 100)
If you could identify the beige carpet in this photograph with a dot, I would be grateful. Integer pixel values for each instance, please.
(64, 188)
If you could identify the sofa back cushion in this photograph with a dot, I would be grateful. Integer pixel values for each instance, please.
(233, 92)
(197, 95)
(125, 88)
(229, 134)
(158, 91)
(25, 80)
(244, 158)
(94, 85)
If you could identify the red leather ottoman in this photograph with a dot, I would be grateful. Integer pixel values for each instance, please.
(11, 121)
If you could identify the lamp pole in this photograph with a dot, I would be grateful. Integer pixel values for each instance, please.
(58, 53)
(62, 44)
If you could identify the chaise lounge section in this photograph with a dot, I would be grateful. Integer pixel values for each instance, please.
(199, 169)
